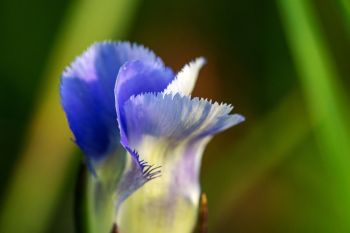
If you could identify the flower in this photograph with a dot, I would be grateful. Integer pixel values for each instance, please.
(127, 110)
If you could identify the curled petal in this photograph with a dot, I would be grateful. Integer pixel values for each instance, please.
(134, 78)
(175, 118)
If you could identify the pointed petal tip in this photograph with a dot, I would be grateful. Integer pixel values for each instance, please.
(201, 60)
(185, 80)
(242, 118)
(198, 61)
(239, 118)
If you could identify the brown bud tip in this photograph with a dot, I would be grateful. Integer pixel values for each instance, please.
(202, 222)
(204, 201)
(115, 228)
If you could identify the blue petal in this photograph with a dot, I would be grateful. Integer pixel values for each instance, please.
(134, 78)
(176, 118)
(87, 94)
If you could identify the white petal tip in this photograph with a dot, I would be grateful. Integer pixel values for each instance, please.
(186, 78)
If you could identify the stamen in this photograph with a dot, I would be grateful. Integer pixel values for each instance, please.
(139, 173)
(149, 172)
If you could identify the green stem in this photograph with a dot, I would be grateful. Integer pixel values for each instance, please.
(96, 194)
(81, 209)
(345, 8)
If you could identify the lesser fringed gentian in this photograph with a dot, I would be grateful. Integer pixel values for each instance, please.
(135, 121)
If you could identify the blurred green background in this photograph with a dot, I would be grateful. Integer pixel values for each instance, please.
(284, 64)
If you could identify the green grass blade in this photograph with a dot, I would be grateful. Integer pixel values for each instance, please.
(39, 176)
(324, 94)
(345, 8)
